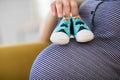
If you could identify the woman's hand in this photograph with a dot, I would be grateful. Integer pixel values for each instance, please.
(64, 8)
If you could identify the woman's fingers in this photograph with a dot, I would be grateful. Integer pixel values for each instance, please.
(74, 7)
(53, 8)
(64, 8)
(59, 7)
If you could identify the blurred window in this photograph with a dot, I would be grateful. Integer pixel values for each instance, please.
(20, 20)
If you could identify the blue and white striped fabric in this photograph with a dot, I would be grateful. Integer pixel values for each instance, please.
(96, 60)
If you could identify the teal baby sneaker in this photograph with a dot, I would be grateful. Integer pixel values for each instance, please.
(82, 32)
(61, 34)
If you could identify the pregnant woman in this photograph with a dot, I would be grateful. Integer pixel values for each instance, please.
(96, 60)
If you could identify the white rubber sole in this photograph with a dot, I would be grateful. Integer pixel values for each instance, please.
(84, 36)
(59, 38)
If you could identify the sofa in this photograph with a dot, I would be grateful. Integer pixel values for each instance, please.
(16, 60)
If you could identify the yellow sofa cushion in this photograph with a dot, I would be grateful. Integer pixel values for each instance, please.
(16, 60)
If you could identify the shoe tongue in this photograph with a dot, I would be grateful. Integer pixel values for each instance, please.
(66, 21)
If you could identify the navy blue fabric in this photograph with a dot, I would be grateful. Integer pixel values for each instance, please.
(95, 60)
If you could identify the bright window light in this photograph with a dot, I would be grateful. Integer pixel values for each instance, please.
(43, 7)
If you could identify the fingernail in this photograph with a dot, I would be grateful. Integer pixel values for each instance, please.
(53, 13)
(59, 15)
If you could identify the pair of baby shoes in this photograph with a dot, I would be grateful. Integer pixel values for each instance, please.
(62, 32)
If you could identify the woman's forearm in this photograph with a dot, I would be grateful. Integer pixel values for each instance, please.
(48, 26)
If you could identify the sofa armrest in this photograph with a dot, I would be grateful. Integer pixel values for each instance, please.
(16, 60)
